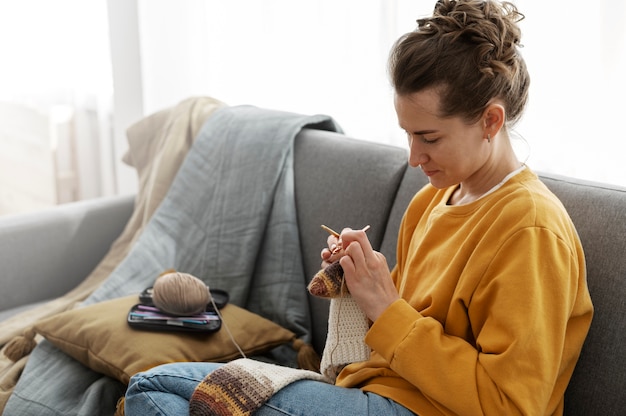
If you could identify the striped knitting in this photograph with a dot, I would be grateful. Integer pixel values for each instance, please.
(240, 387)
(328, 282)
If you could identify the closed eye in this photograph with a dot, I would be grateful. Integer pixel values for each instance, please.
(428, 141)
(422, 136)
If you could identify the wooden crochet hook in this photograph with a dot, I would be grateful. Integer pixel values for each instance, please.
(336, 234)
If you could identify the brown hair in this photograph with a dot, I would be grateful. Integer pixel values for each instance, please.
(469, 50)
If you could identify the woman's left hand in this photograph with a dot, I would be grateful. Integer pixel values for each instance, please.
(367, 274)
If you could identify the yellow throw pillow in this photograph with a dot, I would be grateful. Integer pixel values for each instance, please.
(99, 337)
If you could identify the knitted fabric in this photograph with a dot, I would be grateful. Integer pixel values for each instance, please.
(347, 324)
(240, 387)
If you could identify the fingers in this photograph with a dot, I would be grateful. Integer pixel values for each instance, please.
(329, 254)
(332, 242)
(338, 243)
(357, 248)
(368, 280)
(349, 236)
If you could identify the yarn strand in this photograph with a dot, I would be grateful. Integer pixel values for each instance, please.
(225, 325)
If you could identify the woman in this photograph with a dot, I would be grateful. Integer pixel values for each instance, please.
(487, 309)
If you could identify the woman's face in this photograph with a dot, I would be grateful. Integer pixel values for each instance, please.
(448, 150)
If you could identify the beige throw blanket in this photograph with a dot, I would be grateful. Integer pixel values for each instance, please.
(157, 146)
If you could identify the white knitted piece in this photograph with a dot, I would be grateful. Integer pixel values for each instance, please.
(276, 376)
(345, 341)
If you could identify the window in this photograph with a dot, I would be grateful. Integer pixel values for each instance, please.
(55, 103)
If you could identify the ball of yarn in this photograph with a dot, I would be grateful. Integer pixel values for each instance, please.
(180, 294)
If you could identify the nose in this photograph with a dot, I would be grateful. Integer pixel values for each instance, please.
(416, 155)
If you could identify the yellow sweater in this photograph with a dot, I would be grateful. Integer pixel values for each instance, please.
(494, 308)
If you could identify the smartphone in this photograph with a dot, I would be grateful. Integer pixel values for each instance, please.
(148, 317)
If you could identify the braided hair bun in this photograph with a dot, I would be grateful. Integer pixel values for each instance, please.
(492, 30)
(470, 49)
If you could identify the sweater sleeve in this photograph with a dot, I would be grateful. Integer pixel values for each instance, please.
(519, 315)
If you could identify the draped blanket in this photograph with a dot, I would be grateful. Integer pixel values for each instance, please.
(228, 218)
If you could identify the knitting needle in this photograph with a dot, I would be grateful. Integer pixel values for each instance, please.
(336, 234)
(330, 231)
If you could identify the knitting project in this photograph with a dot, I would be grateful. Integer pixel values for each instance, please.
(240, 387)
(347, 324)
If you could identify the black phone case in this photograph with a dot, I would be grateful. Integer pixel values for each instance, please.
(146, 317)
(220, 297)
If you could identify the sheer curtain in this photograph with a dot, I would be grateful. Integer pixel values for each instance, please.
(55, 103)
(322, 56)
(328, 56)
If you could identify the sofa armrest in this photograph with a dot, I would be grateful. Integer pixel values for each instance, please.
(45, 254)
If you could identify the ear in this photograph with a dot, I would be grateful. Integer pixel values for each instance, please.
(493, 118)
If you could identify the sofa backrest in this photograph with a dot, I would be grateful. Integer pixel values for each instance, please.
(598, 386)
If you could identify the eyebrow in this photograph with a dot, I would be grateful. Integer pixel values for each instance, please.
(421, 132)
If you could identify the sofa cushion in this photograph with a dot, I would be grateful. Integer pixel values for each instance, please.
(99, 337)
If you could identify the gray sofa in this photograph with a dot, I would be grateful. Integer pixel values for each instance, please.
(343, 182)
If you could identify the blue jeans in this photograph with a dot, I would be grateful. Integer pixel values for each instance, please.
(165, 390)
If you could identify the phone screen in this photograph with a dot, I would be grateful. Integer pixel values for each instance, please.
(151, 318)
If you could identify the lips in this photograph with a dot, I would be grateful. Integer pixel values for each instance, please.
(429, 172)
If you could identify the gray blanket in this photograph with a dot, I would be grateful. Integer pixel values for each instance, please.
(229, 218)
